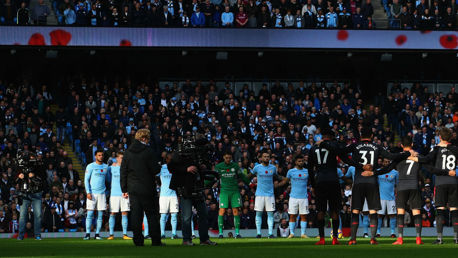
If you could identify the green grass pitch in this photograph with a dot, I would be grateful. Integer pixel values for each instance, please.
(240, 248)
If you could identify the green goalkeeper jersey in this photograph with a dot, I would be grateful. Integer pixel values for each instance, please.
(229, 176)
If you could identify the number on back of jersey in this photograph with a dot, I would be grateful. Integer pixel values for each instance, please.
(321, 159)
(448, 162)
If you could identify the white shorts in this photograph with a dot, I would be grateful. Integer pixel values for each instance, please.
(98, 202)
(388, 207)
(119, 203)
(365, 207)
(298, 205)
(168, 204)
(264, 202)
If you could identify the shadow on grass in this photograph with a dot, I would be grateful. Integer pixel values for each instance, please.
(252, 248)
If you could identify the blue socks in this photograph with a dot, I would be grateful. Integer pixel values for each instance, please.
(192, 226)
(303, 227)
(393, 225)
(145, 225)
(174, 222)
(292, 227)
(379, 225)
(258, 222)
(124, 224)
(270, 222)
(89, 218)
(163, 221)
(366, 224)
(111, 223)
(99, 221)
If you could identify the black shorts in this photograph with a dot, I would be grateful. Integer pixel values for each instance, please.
(360, 192)
(446, 194)
(411, 196)
(328, 193)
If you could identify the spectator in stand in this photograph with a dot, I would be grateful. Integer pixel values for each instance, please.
(299, 20)
(367, 9)
(289, 19)
(8, 13)
(405, 19)
(426, 20)
(227, 17)
(23, 14)
(331, 18)
(449, 19)
(166, 18)
(216, 18)
(309, 18)
(277, 19)
(40, 13)
(198, 18)
(241, 18)
(395, 10)
(208, 9)
(252, 10)
(263, 19)
(345, 19)
(69, 15)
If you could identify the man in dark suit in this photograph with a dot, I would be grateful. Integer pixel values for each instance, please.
(138, 170)
(166, 17)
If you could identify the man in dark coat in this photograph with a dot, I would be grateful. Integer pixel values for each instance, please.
(138, 170)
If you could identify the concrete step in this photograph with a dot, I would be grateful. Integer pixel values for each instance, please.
(380, 17)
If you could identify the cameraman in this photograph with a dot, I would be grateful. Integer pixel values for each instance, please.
(30, 193)
(188, 181)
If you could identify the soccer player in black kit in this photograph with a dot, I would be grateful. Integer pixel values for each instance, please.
(366, 186)
(443, 157)
(322, 163)
(408, 191)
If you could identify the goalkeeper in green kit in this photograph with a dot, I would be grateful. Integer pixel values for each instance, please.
(230, 174)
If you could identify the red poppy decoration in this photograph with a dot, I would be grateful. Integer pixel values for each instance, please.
(267, 172)
(300, 175)
(37, 40)
(227, 170)
(401, 39)
(125, 43)
(101, 170)
(60, 37)
(449, 41)
(386, 176)
(342, 35)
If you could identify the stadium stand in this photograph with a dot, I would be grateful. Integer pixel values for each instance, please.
(348, 14)
(282, 117)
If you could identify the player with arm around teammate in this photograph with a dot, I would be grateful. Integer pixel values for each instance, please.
(117, 201)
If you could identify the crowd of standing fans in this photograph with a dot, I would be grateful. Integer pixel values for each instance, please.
(282, 118)
(332, 14)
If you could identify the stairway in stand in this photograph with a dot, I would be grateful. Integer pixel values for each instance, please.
(76, 162)
(68, 148)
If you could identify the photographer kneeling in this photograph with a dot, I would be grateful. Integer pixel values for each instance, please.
(30, 193)
(188, 175)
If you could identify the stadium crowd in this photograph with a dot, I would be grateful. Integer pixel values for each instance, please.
(286, 120)
(344, 14)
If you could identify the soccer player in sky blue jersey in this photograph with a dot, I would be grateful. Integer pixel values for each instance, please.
(387, 184)
(298, 202)
(95, 180)
(117, 201)
(168, 201)
(265, 199)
